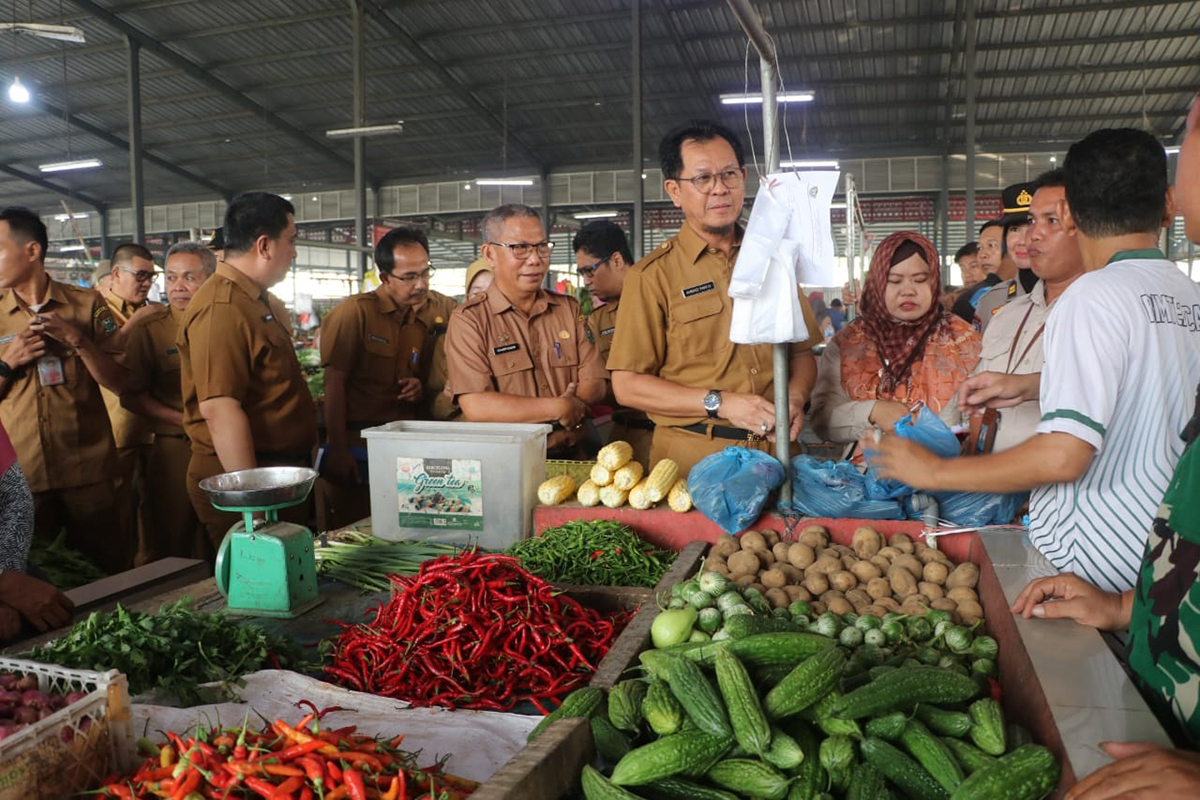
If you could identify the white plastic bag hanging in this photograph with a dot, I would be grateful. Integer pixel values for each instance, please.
(788, 241)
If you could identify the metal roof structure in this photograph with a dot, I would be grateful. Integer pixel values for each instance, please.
(238, 95)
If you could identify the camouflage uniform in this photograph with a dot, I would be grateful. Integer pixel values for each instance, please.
(1164, 631)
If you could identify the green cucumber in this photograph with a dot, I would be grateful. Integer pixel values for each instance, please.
(1028, 773)
(764, 649)
(598, 787)
(671, 755)
(680, 789)
(867, 783)
(785, 752)
(944, 722)
(987, 729)
(625, 705)
(931, 754)
(661, 710)
(610, 742)
(819, 713)
(903, 688)
(909, 776)
(969, 757)
(805, 685)
(750, 726)
(750, 777)
(888, 726)
(699, 699)
(743, 625)
(810, 778)
(579, 703)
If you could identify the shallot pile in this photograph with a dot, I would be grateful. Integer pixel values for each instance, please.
(22, 703)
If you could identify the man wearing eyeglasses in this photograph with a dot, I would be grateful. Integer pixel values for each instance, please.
(671, 355)
(132, 270)
(152, 358)
(603, 258)
(520, 353)
(377, 348)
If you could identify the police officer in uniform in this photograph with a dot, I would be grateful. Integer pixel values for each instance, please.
(518, 352)
(1016, 272)
(245, 401)
(603, 258)
(153, 360)
(671, 355)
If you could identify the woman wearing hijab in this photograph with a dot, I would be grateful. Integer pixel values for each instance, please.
(904, 348)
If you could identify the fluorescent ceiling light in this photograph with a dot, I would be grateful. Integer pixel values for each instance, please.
(817, 164)
(71, 248)
(67, 166)
(595, 214)
(1172, 150)
(749, 99)
(366, 130)
(503, 182)
(62, 33)
(66, 217)
(17, 92)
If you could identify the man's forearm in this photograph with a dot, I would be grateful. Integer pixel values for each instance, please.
(146, 405)
(656, 395)
(499, 407)
(107, 372)
(1046, 458)
(230, 430)
(592, 391)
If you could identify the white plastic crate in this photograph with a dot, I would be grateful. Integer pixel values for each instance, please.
(77, 746)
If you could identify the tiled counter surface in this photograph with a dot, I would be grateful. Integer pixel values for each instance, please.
(1090, 695)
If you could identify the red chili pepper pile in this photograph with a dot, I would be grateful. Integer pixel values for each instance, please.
(285, 763)
(473, 631)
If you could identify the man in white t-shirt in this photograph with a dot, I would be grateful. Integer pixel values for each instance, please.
(1122, 357)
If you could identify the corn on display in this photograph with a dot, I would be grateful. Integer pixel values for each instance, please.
(614, 455)
(555, 490)
(639, 497)
(588, 494)
(662, 479)
(602, 476)
(678, 498)
(612, 497)
(628, 476)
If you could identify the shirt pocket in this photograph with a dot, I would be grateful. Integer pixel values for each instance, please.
(696, 327)
(510, 363)
(379, 357)
(564, 353)
(994, 353)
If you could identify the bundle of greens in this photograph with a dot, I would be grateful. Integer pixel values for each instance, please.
(360, 559)
(593, 553)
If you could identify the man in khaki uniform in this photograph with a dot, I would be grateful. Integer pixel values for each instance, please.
(172, 528)
(519, 353)
(56, 345)
(671, 355)
(603, 258)
(377, 349)
(245, 401)
(131, 272)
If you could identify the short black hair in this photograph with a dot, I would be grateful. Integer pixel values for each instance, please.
(126, 253)
(1050, 178)
(991, 223)
(26, 225)
(385, 258)
(254, 214)
(493, 222)
(835, 303)
(670, 149)
(1116, 182)
(600, 239)
(968, 249)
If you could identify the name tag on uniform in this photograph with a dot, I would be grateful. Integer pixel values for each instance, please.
(608, 331)
(508, 348)
(172, 351)
(700, 288)
(8, 338)
(378, 339)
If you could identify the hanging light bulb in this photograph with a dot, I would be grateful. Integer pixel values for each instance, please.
(17, 92)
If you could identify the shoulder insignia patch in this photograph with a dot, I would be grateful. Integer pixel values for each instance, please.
(104, 318)
(1012, 290)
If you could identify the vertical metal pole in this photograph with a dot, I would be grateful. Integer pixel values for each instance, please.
(548, 221)
(103, 212)
(639, 194)
(969, 143)
(136, 186)
(360, 144)
(944, 211)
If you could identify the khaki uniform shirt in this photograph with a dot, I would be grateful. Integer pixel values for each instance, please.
(1013, 344)
(62, 433)
(602, 325)
(437, 311)
(376, 343)
(129, 429)
(996, 298)
(152, 356)
(674, 319)
(235, 341)
(494, 347)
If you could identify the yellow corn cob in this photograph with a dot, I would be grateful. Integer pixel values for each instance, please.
(602, 476)
(555, 490)
(679, 499)
(628, 476)
(613, 497)
(638, 497)
(662, 479)
(588, 494)
(614, 455)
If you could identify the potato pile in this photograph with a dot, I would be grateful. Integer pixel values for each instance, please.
(872, 576)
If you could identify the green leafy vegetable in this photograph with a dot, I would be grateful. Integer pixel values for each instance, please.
(362, 560)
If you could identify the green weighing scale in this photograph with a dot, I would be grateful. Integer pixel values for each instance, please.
(265, 568)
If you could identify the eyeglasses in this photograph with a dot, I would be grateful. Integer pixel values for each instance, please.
(522, 251)
(413, 277)
(705, 182)
(139, 275)
(190, 278)
(588, 271)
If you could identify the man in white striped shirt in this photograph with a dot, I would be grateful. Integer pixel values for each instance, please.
(1122, 363)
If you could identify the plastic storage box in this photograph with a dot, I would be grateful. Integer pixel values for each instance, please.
(460, 482)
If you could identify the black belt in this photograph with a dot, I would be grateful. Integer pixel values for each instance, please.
(719, 431)
(171, 435)
(296, 458)
(636, 423)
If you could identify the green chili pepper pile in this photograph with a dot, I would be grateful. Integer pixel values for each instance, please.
(593, 553)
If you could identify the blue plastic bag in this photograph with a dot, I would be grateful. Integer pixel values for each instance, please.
(976, 509)
(730, 487)
(927, 430)
(835, 489)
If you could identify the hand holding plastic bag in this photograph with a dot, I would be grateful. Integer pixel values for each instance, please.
(927, 430)
(730, 487)
(836, 489)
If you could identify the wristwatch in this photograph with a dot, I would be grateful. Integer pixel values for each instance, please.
(6, 371)
(712, 403)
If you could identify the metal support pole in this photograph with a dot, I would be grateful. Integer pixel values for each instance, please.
(636, 222)
(136, 186)
(969, 143)
(103, 212)
(944, 213)
(547, 220)
(361, 234)
(851, 241)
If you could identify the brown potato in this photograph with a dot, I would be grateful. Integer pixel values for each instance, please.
(825, 565)
(944, 604)
(773, 578)
(864, 571)
(815, 536)
(744, 562)
(965, 574)
(777, 598)
(931, 590)
(867, 542)
(927, 555)
(726, 546)
(881, 563)
(842, 580)
(793, 575)
(753, 540)
(874, 610)
(795, 593)
(879, 587)
(766, 557)
(711, 559)
(722, 569)
(745, 579)
(839, 606)
(817, 583)
(758, 586)
(816, 607)
(849, 561)
(780, 551)
(800, 555)
(902, 581)
(858, 598)
(970, 612)
(832, 593)
(935, 572)
(772, 538)
(889, 553)
(899, 538)
(913, 608)
(842, 549)
(961, 594)
(910, 563)
(887, 602)
(905, 547)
